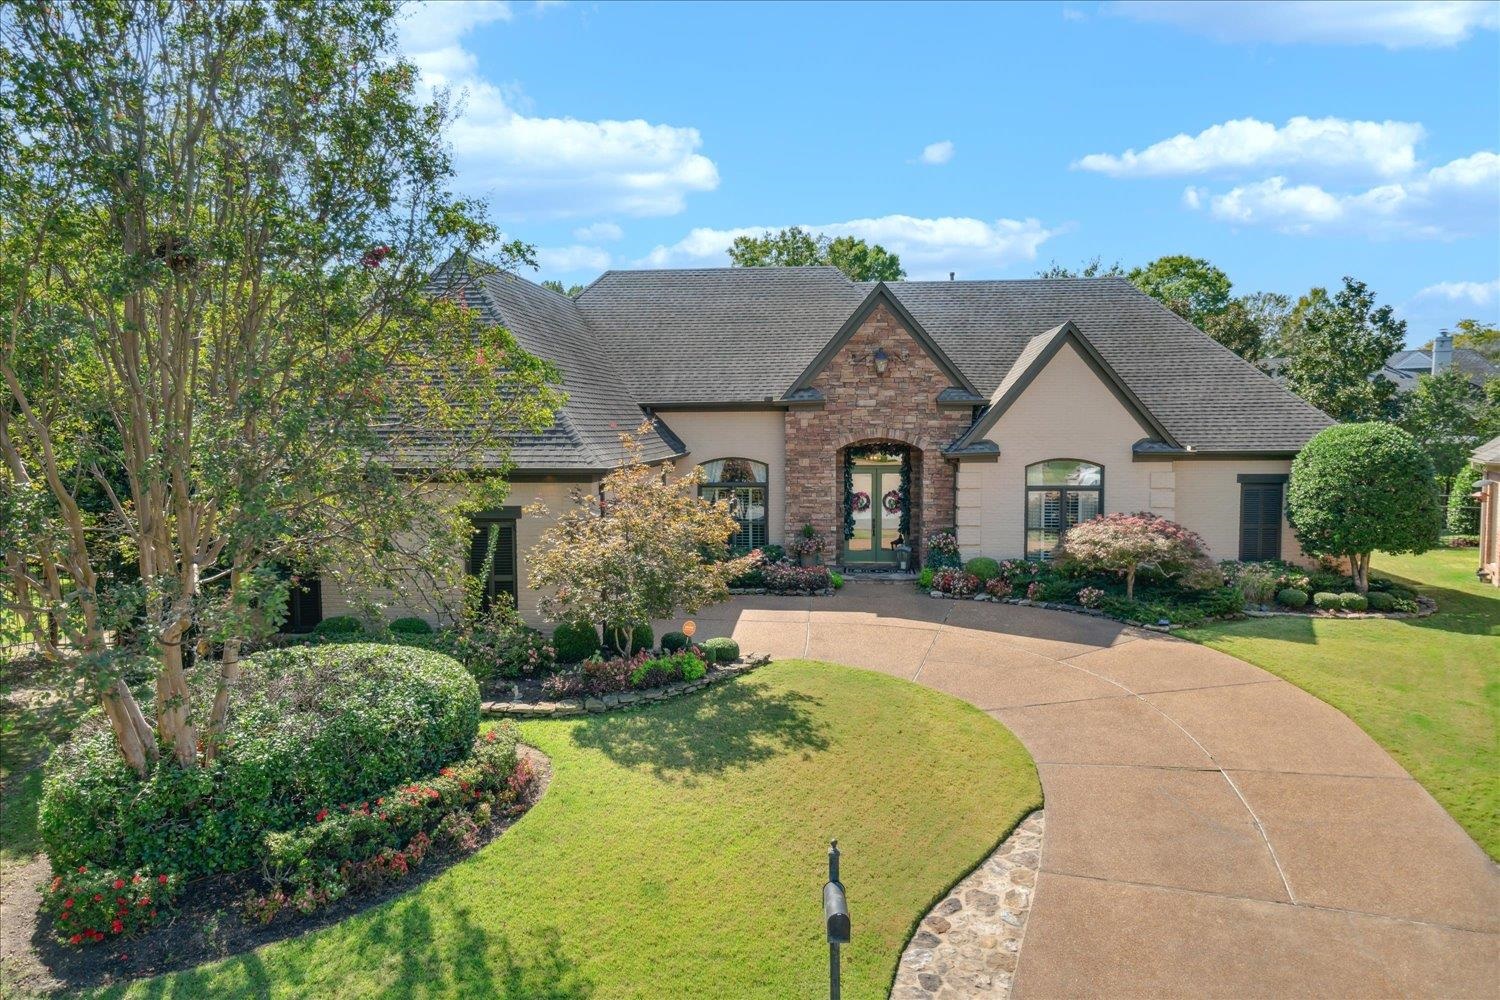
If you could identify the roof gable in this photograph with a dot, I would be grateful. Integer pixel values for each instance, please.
(1034, 358)
(879, 295)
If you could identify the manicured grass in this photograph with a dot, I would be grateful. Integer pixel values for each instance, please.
(1428, 690)
(681, 851)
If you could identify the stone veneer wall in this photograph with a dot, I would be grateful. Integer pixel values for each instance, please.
(861, 406)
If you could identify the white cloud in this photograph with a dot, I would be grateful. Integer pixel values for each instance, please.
(937, 153)
(533, 166)
(599, 232)
(1474, 293)
(1460, 198)
(1395, 25)
(929, 248)
(566, 260)
(1192, 197)
(1384, 149)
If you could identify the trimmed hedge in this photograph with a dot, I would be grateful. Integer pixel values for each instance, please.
(309, 727)
(674, 642)
(1379, 601)
(410, 626)
(1326, 601)
(1291, 597)
(338, 627)
(1353, 602)
(983, 567)
(575, 642)
(722, 650)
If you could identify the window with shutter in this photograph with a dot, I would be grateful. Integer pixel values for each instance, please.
(1260, 517)
(304, 604)
(498, 574)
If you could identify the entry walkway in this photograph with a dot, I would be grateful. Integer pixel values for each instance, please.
(1211, 829)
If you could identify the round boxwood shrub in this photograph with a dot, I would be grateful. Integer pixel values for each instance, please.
(983, 567)
(674, 642)
(410, 626)
(575, 642)
(1291, 597)
(310, 728)
(339, 627)
(722, 650)
(1380, 601)
(1353, 602)
(1326, 601)
(641, 637)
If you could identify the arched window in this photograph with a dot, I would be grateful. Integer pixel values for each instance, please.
(1060, 493)
(742, 482)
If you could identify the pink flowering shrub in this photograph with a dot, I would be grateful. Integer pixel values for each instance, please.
(1034, 590)
(1126, 543)
(1090, 597)
(998, 588)
(785, 577)
(956, 582)
(89, 905)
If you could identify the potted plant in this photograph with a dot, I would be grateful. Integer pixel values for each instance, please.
(808, 546)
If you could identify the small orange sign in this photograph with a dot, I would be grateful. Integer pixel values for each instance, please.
(688, 628)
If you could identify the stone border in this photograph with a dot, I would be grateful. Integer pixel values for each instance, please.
(763, 592)
(594, 705)
(1426, 608)
(969, 943)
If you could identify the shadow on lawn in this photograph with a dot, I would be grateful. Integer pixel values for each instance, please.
(729, 727)
(457, 958)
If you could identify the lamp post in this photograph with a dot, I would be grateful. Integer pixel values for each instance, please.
(836, 917)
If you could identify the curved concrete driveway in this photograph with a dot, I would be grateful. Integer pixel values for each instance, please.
(1211, 829)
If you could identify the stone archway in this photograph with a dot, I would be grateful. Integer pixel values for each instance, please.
(878, 505)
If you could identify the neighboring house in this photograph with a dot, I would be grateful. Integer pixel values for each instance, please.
(1404, 367)
(881, 413)
(1487, 491)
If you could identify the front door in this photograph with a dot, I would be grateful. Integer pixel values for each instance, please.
(876, 502)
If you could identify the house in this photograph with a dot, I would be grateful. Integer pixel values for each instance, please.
(880, 413)
(1487, 490)
(1405, 367)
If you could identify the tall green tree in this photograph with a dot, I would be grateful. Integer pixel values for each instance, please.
(218, 229)
(1340, 342)
(1238, 329)
(1477, 336)
(1190, 286)
(1449, 417)
(796, 247)
(571, 291)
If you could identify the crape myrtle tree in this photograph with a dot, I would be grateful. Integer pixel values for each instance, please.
(219, 225)
(641, 548)
(1356, 488)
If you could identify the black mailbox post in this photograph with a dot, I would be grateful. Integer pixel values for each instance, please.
(835, 917)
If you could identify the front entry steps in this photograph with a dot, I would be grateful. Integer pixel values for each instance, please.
(859, 572)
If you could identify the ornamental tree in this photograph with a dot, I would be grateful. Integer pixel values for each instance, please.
(643, 547)
(1127, 543)
(218, 227)
(1356, 488)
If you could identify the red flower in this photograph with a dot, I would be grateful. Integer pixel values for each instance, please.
(98, 897)
(117, 927)
(119, 883)
(76, 939)
(82, 870)
(162, 879)
(68, 902)
(322, 815)
(153, 914)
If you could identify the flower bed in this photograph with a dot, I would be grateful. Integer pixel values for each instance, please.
(579, 702)
(771, 573)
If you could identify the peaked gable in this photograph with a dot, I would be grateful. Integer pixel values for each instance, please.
(879, 295)
(1034, 357)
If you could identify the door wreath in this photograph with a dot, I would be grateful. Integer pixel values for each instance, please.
(861, 501)
(891, 501)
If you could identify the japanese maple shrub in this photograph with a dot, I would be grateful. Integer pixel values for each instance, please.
(641, 549)
(1356, 488)
(1127, 543)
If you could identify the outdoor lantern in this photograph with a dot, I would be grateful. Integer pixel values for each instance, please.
(881, 360)
(688, 628)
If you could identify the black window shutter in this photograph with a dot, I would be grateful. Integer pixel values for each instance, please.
(502, 577)
(1260, 521)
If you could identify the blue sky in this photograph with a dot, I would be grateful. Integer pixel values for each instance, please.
(1288, 143)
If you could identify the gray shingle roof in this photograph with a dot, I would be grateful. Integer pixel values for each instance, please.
(599, 407)
(1488, 452)
(636, 339)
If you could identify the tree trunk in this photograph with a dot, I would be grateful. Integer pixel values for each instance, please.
(1130, 584)
(173, 701)
(131, 731)
(229, 673)
(1359, 565)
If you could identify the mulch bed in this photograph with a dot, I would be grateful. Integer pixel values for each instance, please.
(207, 927)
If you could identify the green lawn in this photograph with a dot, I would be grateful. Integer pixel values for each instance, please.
(681, 850)
(1428, 690)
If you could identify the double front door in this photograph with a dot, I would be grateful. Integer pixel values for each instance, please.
(876, 501)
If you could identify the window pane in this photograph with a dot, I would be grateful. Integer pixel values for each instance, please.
(747, 505)
(1043, 522)
(1086, 507)
(863, 539)
(733, 470)
(1064, 472)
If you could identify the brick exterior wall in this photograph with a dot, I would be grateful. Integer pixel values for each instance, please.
(863, 407)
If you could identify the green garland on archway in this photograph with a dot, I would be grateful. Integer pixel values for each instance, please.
(853, 455)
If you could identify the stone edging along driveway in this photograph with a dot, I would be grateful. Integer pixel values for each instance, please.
(1211, 829)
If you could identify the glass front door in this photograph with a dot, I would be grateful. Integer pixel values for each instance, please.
(877, 503)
